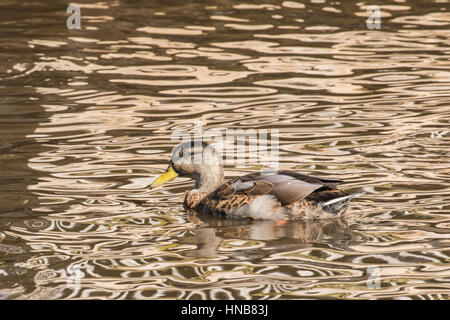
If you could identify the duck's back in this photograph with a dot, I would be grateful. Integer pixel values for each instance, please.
(281, 195)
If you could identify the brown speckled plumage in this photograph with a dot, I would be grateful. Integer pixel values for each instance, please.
(227, 201)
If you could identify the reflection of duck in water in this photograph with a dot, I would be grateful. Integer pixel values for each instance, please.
(210, 232)
(281, 195)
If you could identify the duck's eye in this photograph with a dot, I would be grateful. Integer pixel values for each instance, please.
(180, 154)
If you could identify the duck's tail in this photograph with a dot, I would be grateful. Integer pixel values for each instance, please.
(339, 205)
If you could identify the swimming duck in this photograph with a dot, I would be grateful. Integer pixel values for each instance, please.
(277, 195)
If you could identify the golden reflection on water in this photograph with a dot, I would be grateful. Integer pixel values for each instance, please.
(87, 118)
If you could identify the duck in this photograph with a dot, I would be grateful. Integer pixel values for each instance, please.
(265, 195)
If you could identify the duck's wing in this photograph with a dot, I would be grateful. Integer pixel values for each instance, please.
(244, 187)
(286, 186)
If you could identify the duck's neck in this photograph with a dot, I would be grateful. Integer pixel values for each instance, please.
(205, 183)
(208, 180)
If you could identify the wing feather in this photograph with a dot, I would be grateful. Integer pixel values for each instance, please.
(287, 186)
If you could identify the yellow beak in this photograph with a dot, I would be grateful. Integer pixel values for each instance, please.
(168, 175)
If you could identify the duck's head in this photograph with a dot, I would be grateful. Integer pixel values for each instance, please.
(195, 159)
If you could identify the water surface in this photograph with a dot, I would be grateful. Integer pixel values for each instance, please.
(86, 122)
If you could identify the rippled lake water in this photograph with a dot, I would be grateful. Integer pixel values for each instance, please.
(86, 122)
